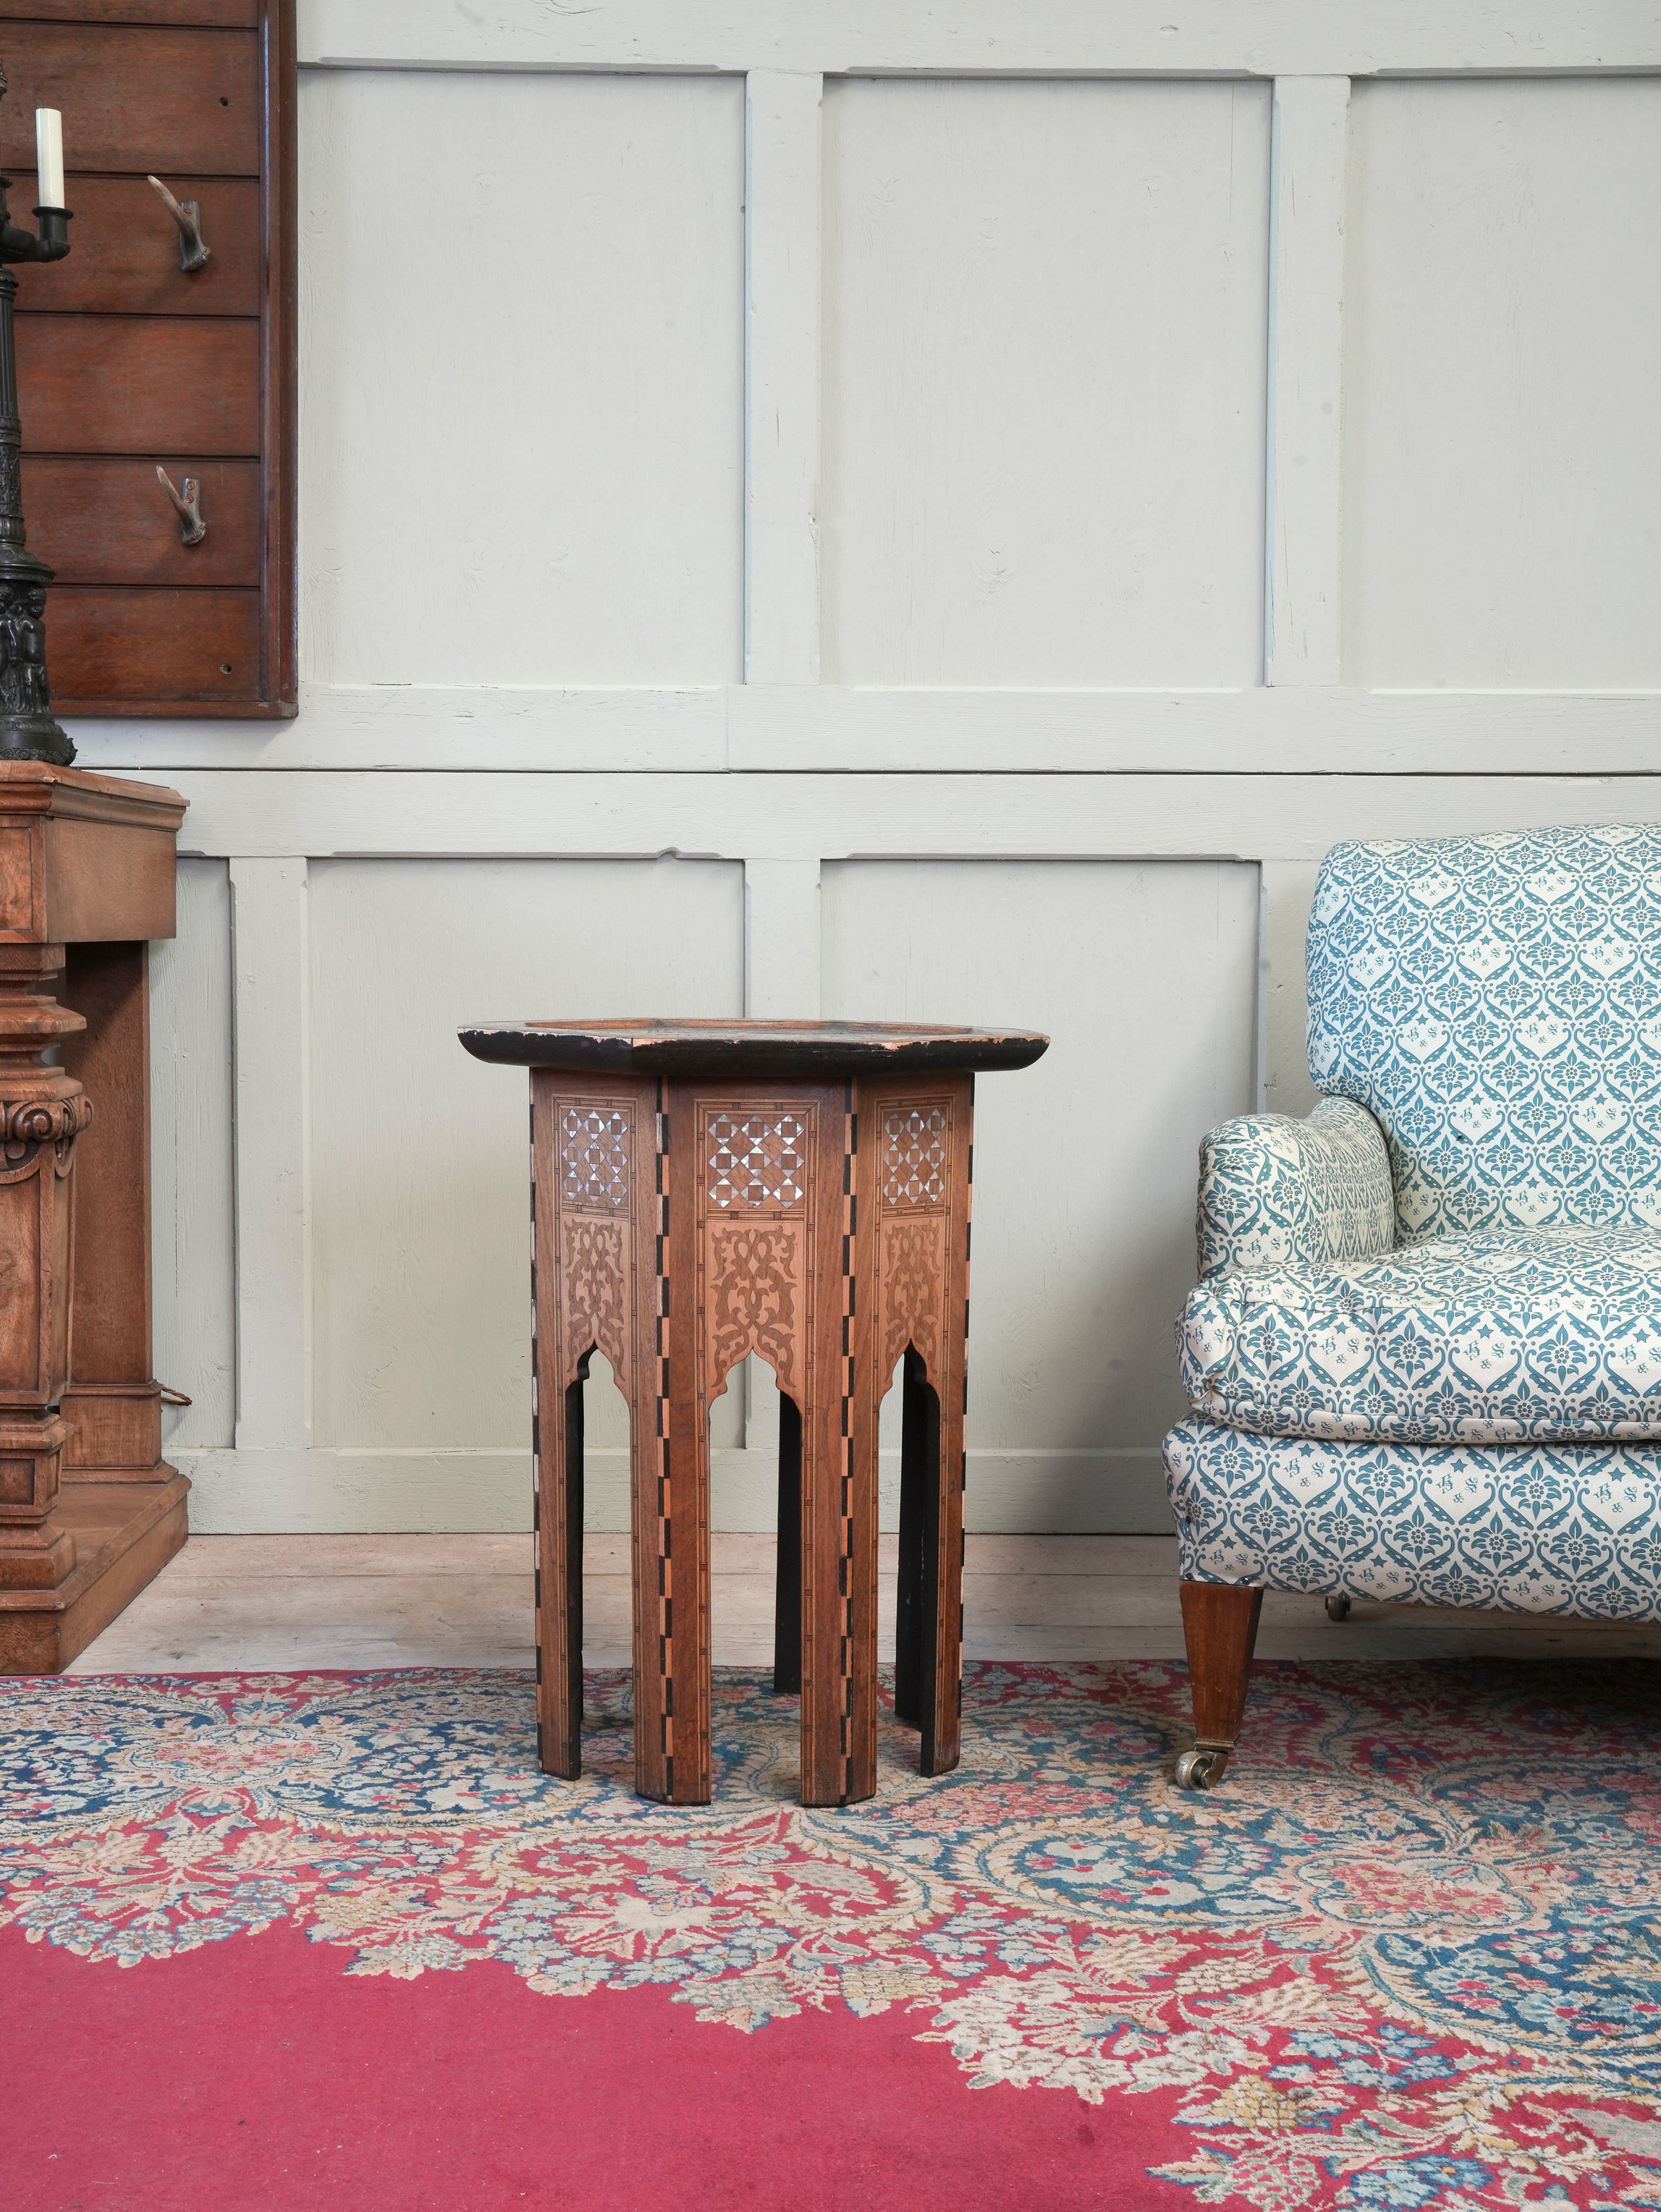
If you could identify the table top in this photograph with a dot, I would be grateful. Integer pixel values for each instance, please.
(748, 1048)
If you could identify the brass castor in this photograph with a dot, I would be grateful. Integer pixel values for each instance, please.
(1202, 1768)
(1337, 1606)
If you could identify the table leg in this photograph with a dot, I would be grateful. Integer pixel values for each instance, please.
(593, 1216)
(672, 1522)
(915, 1182)
(558, 1511)
(786, 1604)
(920, 1544)
(940, 1718)
(671, 1518)
(838, 1554)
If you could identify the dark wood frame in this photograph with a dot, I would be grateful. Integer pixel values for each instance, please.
(279, 372)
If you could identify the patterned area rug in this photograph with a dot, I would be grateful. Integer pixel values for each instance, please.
(1408, 1955)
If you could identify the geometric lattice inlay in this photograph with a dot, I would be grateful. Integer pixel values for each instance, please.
(914, 1157)
(594, 1157)
(756, 1161)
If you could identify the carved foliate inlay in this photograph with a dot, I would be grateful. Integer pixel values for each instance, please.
(596, 1279)
(594, 1159)
(757, 1295)
(913, 1268)
(757, 1160)
(914, 1163)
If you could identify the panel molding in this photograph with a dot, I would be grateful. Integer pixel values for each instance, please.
(1304, 511)
(782, 377)
(271, 1026)
(814, 817)
(781, 938)
(1270, 729)
(1047, 37)
(325, 1491)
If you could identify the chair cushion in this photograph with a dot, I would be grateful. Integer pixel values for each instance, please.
(1572, 1528)
(1495, 1003)
(1550, 1334)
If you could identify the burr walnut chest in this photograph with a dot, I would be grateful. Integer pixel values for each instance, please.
(90, 1510)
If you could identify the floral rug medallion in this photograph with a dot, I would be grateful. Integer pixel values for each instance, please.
(1409, 1954)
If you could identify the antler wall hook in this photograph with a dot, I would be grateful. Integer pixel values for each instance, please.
(187, 503)
(187, 214)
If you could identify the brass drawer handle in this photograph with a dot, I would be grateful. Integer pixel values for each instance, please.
(187, 214)
(187, 504)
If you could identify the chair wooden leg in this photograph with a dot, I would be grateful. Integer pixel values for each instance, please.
(1219, 1627)
(787, 1606)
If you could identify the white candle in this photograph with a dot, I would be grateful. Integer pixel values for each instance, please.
(49, 156)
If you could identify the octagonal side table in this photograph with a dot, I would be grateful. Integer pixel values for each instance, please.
(702, 1190)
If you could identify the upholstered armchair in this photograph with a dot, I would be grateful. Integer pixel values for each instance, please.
(1424, 1357)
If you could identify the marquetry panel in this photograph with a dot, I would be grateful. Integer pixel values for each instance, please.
(594, 1141)
(756, 1237)
(916, 1141)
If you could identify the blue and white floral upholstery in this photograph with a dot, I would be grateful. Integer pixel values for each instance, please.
(1274, 1191)
(1495, 1004)
(1552, 1335)
(1425, 1355)
(1520, 1528)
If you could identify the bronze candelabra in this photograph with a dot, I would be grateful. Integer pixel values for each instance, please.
(29, 730)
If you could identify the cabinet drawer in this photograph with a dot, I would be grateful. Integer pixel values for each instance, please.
(136, 97)
(109, 522)
(111, 384)
(136, 11)
(115, 644)
(124, 248)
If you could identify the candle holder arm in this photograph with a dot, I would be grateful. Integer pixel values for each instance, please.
(49, 243)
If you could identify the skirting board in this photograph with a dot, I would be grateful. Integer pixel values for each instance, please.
(334, 1492)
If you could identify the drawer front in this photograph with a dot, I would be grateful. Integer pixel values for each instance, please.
(107, 883)
(124, 248)
(22, 895)
(223, 12)
(116, 644)
(135, 98)
(109, 384)
(111, 522)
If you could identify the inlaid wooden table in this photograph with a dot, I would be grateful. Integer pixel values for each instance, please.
(702, 1190)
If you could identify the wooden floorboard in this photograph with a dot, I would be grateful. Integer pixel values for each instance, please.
(259, 1603)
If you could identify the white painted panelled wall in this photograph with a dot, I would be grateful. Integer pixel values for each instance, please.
(878, 510)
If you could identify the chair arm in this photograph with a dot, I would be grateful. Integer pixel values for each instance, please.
(1274, 1191)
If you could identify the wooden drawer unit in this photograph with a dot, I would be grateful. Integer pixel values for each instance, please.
(127, 361)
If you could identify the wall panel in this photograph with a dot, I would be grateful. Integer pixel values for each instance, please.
(193, 1220)
(521, 383)
(1502, 350)
(1045, 314)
